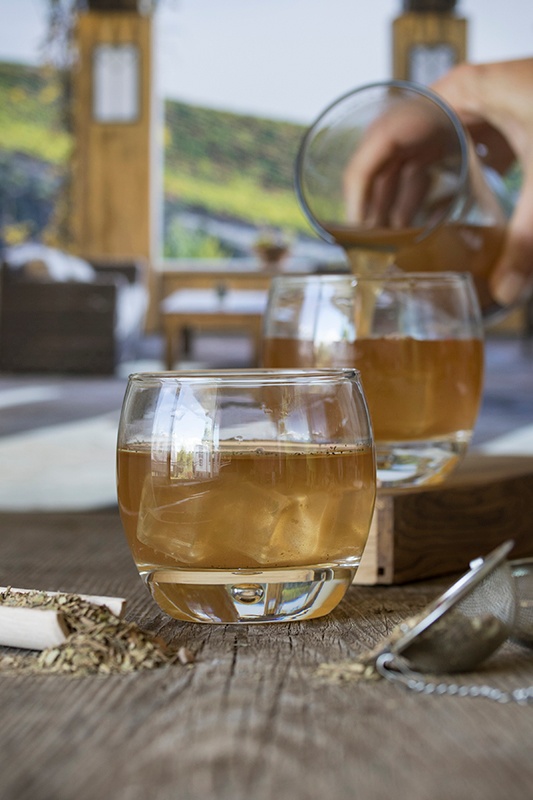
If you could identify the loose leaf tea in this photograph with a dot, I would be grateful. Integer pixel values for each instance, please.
(98, 642)
(450, 638)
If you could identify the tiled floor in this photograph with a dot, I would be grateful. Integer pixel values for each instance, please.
(34, 401)
(58, 433)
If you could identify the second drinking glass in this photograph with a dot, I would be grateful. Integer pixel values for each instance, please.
(417, 340)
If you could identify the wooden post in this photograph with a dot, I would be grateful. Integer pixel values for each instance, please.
(428, 39)
(114, 205)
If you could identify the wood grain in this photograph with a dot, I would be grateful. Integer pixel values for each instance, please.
(114, 192)
(112, 179)
(424, 534)
(249, 720)
(425, 29)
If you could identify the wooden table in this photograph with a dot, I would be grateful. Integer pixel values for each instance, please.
(249, 720)
(201, 309)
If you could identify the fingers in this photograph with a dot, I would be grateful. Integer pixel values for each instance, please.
(512, 279)
(392, 198)
(391, 172)
(382, 197)
(411, 196)
(355, 190)
(372, 162)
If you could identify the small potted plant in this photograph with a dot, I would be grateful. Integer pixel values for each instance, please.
(271, 247)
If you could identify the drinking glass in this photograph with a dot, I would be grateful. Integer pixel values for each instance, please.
(388, 172)
(417, 340)
(246, 496)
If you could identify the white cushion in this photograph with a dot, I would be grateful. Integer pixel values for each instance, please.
(46, 263)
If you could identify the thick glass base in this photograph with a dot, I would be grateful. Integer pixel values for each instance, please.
(245, 596)
(408, 465)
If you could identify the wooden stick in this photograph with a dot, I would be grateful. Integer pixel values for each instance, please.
(116, 605)
(31, 628)
(35, 628)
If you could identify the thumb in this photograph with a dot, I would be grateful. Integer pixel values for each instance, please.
(512, 278)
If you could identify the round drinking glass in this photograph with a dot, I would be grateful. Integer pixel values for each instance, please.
(417, 340)
(389, 173)
(246, 496)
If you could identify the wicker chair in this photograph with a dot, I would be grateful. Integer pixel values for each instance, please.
(85, 322)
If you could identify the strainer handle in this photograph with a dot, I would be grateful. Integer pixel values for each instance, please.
(396, 670)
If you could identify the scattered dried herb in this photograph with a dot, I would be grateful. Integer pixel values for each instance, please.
(456, 642)
(98, 642)
(347, 672)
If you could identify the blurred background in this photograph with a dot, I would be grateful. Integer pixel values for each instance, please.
(234, 84)
(146, 146)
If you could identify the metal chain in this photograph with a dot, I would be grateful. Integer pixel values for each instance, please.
(396, 670)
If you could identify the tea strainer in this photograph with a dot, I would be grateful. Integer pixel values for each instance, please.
(522, 570)
(464, 626)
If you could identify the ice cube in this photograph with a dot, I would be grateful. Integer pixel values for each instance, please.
(315, 528)
(296, 536)
(251, 514)
(176, 519)
(209, 524)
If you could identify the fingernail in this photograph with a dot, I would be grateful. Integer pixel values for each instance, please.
(510, 288)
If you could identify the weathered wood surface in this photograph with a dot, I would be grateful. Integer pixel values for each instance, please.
(249, 720)
(437, 531)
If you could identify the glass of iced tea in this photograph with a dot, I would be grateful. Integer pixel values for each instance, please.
(246, 496)
(417, 340)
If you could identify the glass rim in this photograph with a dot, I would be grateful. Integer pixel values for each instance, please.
(250, 376)
(448, 276)
(403, 85)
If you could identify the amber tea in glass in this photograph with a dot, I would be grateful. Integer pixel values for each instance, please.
(417, 341)
(246, 496)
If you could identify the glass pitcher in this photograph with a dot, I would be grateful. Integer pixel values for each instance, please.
(388, 172)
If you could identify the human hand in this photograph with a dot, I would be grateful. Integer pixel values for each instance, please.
(494, 103)
(394, 177)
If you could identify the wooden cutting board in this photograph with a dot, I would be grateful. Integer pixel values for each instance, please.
(438, 531)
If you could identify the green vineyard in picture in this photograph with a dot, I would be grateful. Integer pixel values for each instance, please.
(218, 164)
